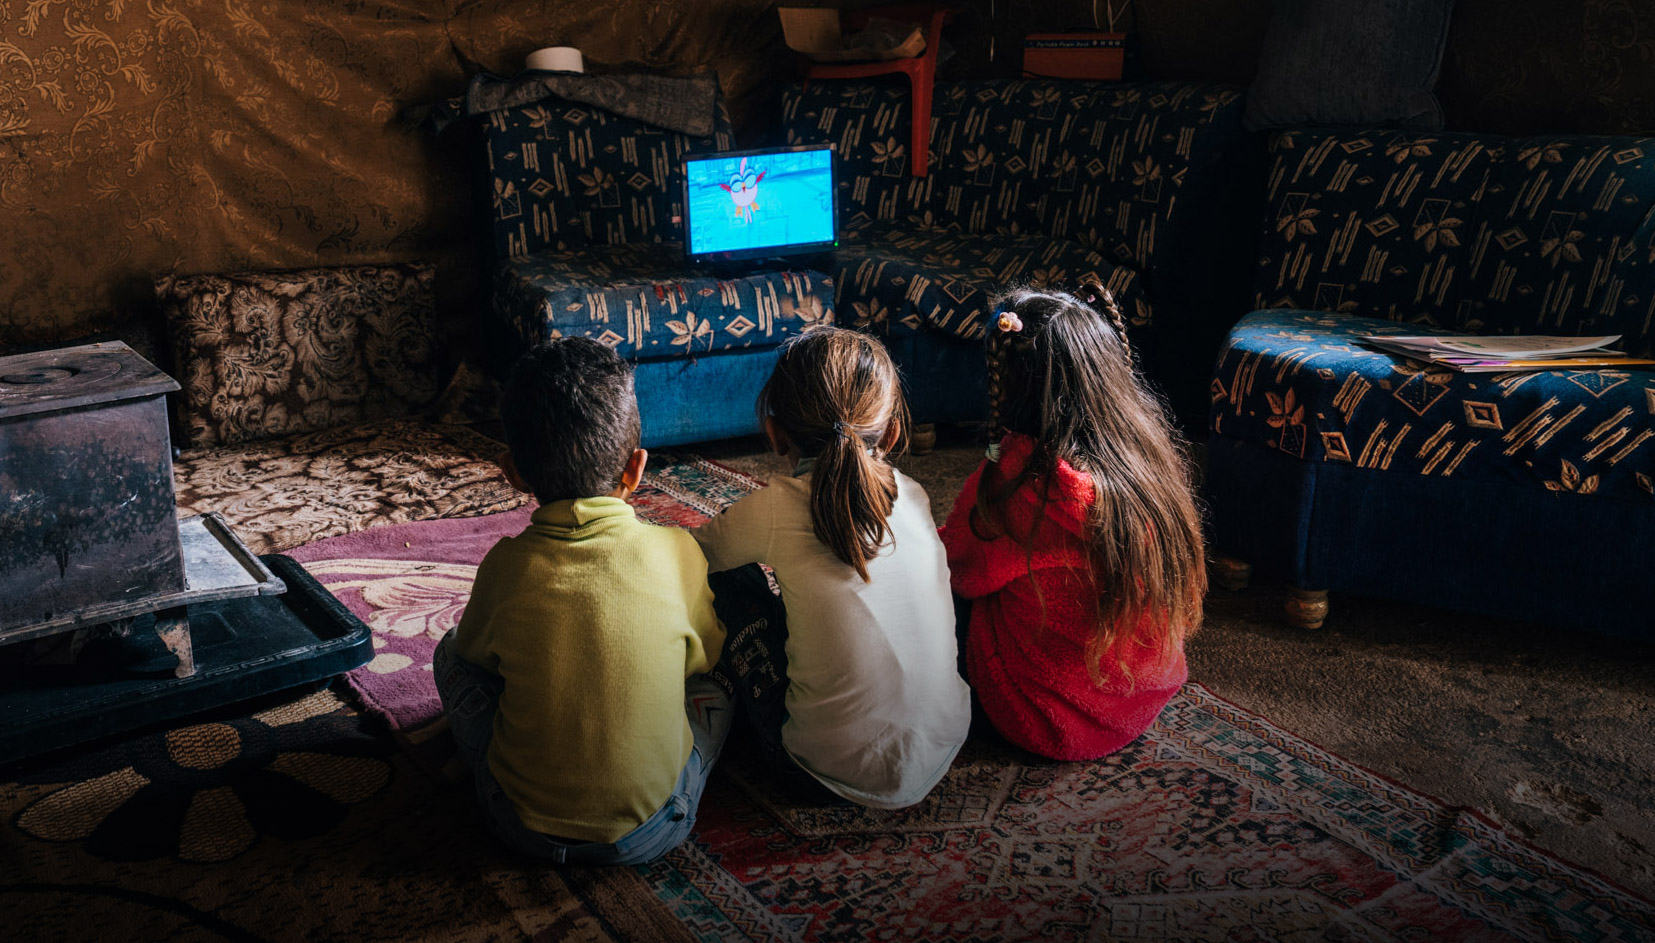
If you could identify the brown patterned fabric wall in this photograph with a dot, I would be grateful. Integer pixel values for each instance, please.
(1543, 66)
(145, 137)
(158, 136)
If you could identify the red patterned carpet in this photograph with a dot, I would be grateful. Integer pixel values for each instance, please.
(1214, 826)
(298, 818)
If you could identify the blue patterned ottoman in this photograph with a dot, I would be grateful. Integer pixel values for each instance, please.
(1522, 495)
(1527, 495)
(702, 344)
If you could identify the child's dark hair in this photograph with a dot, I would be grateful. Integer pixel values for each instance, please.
(836, 396)
(571, 418)
(1061, 371)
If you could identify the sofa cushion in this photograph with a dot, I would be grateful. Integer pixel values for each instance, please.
(273, 353)
(899, 282)
(1104, 164)
(646, 303)
(1297, 382)
(1361, 63)
(567, 175)
(282, 493)
(1377, 223)
(1566, 240)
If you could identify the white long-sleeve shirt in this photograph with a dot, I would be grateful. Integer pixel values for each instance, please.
(876, 706)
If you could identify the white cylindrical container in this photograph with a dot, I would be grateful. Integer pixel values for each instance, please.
(556, 59)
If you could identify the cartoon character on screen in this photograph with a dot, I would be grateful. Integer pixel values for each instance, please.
(744, 189)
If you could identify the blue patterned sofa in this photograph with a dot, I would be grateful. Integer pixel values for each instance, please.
(584, 213)
(1143, 186)
(1525, 495)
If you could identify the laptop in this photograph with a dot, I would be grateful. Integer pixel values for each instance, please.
(756, 204)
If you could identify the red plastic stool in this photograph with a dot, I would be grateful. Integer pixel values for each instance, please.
(921, 69)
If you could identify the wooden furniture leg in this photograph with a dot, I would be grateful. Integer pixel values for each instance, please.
(1230, 573)
(1306, 608)
(173, 627)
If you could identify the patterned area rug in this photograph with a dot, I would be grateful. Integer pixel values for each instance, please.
(1215, 825)
(410, 582)
(294, 820)
(281, 493)
(296, 817)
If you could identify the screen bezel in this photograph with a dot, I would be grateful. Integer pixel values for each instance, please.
(764, 252)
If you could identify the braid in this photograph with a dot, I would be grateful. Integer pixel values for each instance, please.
(1102, 300)
(996, 384)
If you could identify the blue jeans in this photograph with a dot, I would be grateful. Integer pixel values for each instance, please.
(470, 697)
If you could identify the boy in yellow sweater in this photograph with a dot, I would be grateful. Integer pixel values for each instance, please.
(574, 682)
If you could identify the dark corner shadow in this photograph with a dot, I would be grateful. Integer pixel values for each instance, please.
(1364, 623)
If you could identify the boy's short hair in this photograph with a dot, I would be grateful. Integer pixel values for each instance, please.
(571, 418)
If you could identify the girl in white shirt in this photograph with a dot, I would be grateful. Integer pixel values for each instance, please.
(863, 640)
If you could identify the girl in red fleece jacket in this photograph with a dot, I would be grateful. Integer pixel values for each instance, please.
(1077, 543)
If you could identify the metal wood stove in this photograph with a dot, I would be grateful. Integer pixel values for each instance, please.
(89, 534)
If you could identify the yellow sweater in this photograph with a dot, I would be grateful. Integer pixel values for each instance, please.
(593, 619)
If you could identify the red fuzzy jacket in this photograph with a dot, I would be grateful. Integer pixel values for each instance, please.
(1031, 675)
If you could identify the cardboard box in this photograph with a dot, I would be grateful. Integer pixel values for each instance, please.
(1097, 56)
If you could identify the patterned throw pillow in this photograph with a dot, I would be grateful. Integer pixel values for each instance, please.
(274, 353)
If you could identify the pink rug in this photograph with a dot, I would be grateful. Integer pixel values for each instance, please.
(410, 582)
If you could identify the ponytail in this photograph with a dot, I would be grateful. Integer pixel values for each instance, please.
(835, 395)
(851, 496)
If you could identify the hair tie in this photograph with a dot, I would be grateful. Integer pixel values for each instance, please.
(993, 452)
(1009, 322)
(843, 429)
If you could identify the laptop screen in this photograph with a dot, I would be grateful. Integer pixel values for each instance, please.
(750, 204)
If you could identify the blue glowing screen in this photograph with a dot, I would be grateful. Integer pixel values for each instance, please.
(760, 201)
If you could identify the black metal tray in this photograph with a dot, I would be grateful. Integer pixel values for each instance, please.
(217, 566)
(244, 647)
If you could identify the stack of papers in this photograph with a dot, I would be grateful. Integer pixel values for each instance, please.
(1468, 354)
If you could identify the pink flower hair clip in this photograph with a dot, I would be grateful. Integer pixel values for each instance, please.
(1009, 322)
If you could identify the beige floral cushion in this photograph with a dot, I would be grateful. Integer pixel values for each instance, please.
(274, 353)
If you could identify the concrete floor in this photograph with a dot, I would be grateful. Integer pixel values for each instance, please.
(1546, 731)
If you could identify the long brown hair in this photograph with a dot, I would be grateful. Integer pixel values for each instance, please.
(1061, 371)
(835, 395)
